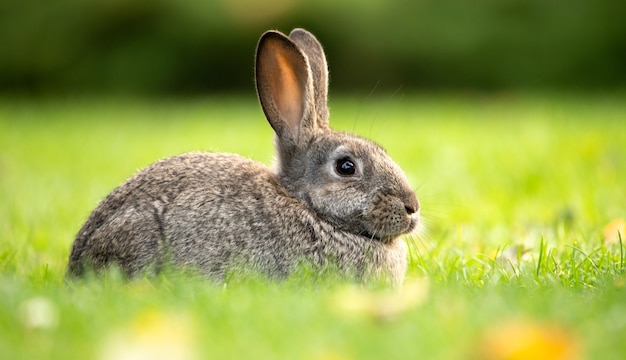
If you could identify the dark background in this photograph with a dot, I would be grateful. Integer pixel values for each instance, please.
(182, 47)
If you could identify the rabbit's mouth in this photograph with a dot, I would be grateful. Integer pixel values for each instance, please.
(387, 234)
(413, 224)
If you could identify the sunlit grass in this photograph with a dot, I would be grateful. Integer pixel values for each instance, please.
(522, 202)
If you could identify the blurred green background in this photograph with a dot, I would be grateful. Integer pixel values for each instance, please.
(181, 47)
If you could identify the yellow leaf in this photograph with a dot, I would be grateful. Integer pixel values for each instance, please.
(613, 230)
(352, 300)
(525, 339)
(151, 335)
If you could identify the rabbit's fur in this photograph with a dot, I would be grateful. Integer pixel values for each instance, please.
(219, 213)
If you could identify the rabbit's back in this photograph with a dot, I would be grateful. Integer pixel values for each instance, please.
(131, 226)
(216, 212)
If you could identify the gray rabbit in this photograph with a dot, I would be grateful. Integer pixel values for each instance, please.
(332, 200)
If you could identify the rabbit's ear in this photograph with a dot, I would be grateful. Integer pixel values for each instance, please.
(283, 80)
(319, 70)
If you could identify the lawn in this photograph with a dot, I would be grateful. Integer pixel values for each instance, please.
(520, 256)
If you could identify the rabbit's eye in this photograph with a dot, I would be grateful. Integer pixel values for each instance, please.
(345, 167)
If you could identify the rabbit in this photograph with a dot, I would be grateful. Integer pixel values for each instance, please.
(332, 199)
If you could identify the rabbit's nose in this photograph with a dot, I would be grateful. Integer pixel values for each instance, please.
(411, 204)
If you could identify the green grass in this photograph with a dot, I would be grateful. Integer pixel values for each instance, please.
(535, 177)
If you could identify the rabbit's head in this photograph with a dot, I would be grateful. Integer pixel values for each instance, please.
(348, 181)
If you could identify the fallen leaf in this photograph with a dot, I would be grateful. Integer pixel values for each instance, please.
(151, 335)
(614, 230)
(39, 313)
(525, 339)
(357, 301)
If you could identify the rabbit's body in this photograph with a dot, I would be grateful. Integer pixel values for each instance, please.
(157, 217)
(333, 199)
